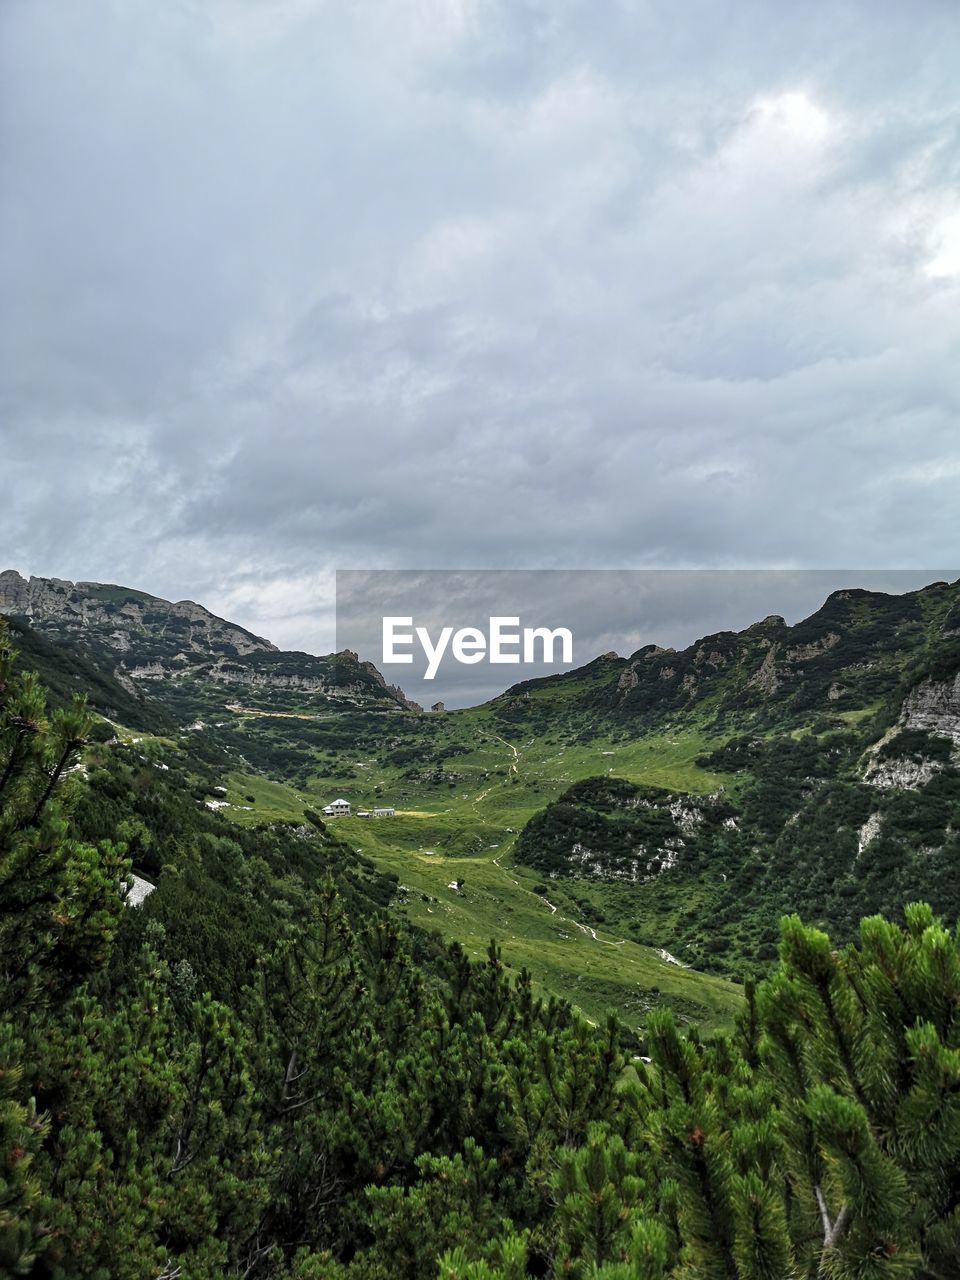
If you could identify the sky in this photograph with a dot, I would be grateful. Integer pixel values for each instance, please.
(292, 286)
(406, 621)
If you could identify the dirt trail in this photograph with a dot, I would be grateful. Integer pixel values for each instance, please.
(515, 750)
(584, 928)
(272, 715)
(496, 863)
(482, 795)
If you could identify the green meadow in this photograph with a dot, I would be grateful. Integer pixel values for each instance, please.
(459, 822)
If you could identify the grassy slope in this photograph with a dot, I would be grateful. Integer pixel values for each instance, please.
(500, 763)
(445, 832)
(466, 782)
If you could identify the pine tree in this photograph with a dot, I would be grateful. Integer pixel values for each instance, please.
(598, 1188)
(825, 1138)
(59, 904)
(24, 1207)
(454, 1198)
(59, 899)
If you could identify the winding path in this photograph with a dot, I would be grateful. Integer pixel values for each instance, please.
(587, 929)
(584, 928)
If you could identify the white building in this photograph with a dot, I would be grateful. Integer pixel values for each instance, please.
(384, 813)
(337, 809)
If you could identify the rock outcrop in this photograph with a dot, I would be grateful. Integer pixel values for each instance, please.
(394, 690)
(934, 705)
(629, 677)
(929, 722)
(147, 641)
(903, 772)
(868, 832)
(119, 617)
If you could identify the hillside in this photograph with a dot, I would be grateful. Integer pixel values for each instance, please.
(664, 804)
(172, 656)
(858, 651)
(294, 1053)
(838, 741)
(129, 622)
(267, 736)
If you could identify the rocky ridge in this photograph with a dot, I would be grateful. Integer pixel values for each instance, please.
(148, 643)
(122, 618)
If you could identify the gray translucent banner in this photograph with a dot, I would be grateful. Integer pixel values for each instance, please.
(463, 628)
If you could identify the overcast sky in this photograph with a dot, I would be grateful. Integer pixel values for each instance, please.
(610, 610)
(296, 285)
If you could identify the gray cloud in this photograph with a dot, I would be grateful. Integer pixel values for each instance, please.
(604, 610)
(295, 285)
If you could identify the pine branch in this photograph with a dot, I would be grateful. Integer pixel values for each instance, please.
(824, 1215)
(839, 1228)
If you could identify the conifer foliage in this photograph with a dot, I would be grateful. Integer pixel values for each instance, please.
(821, 1139)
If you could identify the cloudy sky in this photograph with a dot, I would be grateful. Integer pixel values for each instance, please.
(292, 285)
(608, 610)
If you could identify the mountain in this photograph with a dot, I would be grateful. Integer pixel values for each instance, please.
(267, 736)
(836, 748)
(609, 825)
(858, 650)
(250, 1065)
(147, 629)
(171, 657)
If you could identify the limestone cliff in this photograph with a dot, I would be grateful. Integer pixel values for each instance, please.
(151, 645)
(124, 619)
(934, 705)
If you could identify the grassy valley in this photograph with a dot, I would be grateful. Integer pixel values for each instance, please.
(744, 764)
(499, 1034)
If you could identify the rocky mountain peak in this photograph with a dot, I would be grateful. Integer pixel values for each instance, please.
(123, 619)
